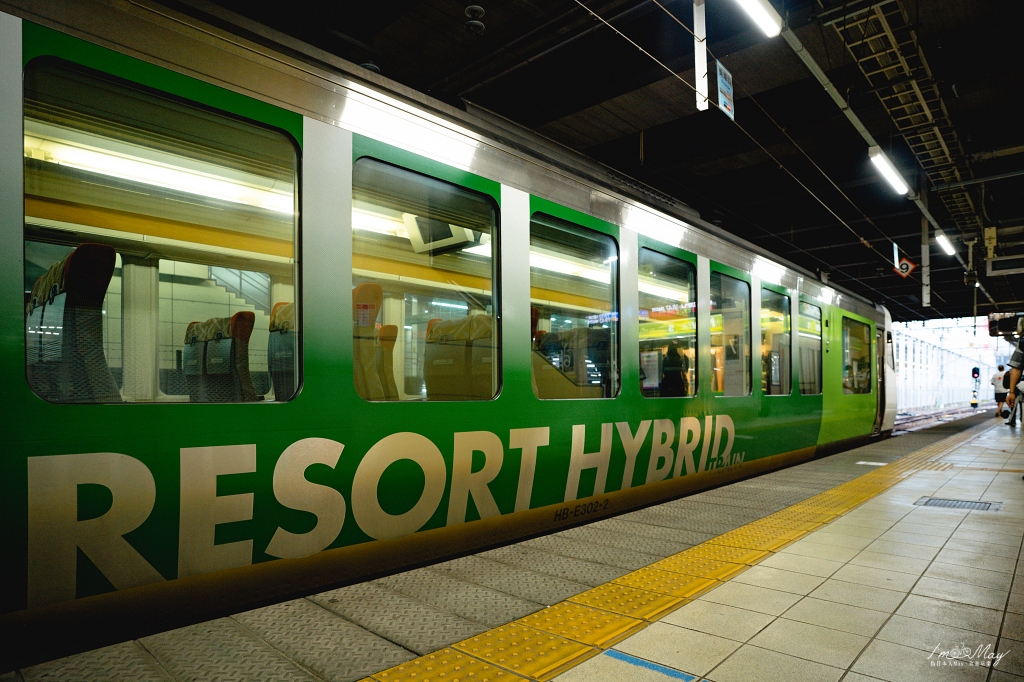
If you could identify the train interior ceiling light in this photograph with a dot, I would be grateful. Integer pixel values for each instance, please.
(371, 221)
(764, 15)
(888, 171)
(125, 161)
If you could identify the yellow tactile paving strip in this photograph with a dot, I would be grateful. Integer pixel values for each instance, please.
(549, 642)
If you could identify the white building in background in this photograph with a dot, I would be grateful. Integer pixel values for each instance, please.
(934, 360)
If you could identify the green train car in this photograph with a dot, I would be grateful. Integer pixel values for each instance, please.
(286, 326)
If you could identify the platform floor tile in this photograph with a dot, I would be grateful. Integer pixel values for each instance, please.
(687, 650)
(447, 665)
(595, 534)
(629, 601)
(465, 599)
(752, 663)
(127, 662)
(620, 525)
(719, 620)
(318, 640)
(527, 651)
(519, 582)
(408, 622)
(576, 570)
(618, 557)
(842, 617)
(811, 642)
(583, 624)
(612, 665)
(895, 663)
(222, 650)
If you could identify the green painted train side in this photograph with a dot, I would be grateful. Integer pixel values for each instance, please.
(705, 439)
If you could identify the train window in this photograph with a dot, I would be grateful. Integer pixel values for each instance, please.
(776, 375)
(423, 262)
(730, 336)
(160, 246)
(668, 326)
(574, 310)
(856, 357)
(809, 334)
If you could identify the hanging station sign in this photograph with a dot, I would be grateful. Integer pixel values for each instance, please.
(725, 97)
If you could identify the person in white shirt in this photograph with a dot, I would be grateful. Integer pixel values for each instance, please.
(997, 384)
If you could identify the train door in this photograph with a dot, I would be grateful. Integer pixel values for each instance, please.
(885, 415)
(880, 378)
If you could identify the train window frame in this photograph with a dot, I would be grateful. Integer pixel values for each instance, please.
(871, 381)
(368, 149)
(586, 223)
(43, 46)
(744, 278)
(811, 303)
(660, 249)
(788, 298)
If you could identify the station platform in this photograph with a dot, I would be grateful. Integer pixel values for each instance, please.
(848, 567)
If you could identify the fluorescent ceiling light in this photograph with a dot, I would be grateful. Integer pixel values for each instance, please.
(370, 221)
(764, 15)
(563, 266)
(662, 291)
(479, 250)
(944, 243)
(888, 171)
(134, 163)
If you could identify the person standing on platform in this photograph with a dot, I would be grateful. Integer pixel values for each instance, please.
(673, 374)
(997, 384)
(1015, 363)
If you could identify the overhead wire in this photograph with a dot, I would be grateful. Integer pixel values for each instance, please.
(782, 130)
(781, 166)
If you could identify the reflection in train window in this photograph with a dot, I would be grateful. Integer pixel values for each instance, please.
(574, 310)
(856, 357)
(668, 326)
(809, 333)
(776, 373)
(159, 246)
(423, 262)
(730, 336)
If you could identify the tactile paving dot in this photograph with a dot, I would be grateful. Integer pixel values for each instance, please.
(736, 555)
(584, 624)
(666, 582)
(699, 566)
(446, 665)
(788, 524)
(526, 651)
(629, 601)
(758, 539)
(799, 515)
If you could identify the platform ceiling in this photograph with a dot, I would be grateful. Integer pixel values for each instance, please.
(552, 67)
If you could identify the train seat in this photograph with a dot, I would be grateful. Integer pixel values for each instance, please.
(215, 360)
(385, 360)
(64, 329)
(367, 299)
(459, 357)
(281, 350)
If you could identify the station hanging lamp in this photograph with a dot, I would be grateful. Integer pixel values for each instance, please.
(764, 15)
(944, 243)
(888, 171)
